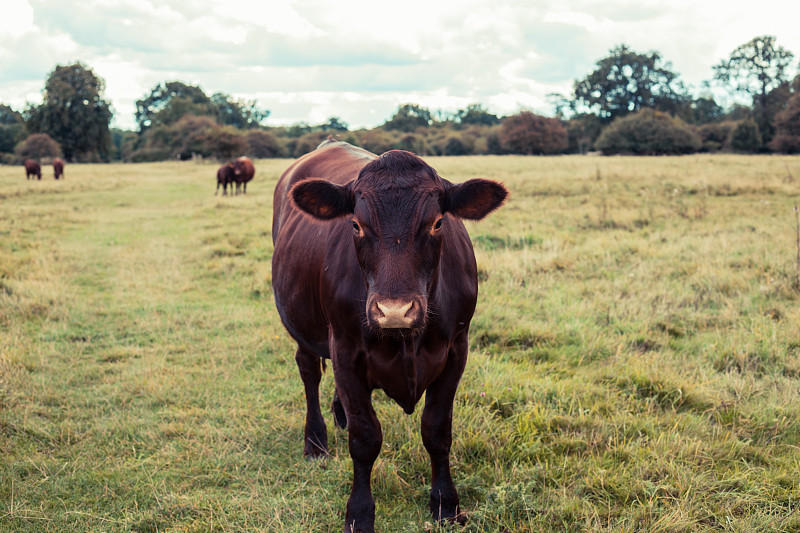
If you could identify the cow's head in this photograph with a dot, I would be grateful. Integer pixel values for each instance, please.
(238, 166)
(400, 209)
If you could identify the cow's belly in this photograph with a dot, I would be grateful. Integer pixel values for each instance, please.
(295, 284)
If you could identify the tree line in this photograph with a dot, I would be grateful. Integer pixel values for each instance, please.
(632, 103)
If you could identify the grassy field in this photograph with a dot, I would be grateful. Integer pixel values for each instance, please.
(635, 356)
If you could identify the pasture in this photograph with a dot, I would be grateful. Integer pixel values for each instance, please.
(634, 366)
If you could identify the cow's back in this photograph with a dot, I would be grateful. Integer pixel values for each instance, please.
(301, 243)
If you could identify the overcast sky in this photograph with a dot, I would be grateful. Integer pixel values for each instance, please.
(308, 60)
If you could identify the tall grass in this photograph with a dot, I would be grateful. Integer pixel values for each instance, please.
(635, 358)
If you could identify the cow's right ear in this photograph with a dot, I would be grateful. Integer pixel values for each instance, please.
(322, 199)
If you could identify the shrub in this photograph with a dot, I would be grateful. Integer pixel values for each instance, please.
(307, 143)
(226, 142)
(787, 123)
(262, 144)
(648, 132)
(192, 135)
(377, 141)
(411, 143)
(787, 144)
(714, 136)
(582, 132)
(189, 137)
(37, 146)
(745, 137)
(493, 144)
(454, 146)
(148, 154)
(528, 133)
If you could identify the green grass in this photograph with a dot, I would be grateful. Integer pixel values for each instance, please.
(635, 358)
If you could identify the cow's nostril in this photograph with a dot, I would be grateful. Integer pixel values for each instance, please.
(396, 314)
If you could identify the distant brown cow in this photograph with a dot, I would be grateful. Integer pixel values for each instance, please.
(225, 178)
(374, 270)
(58, 168)
(243, 171)
(32, 168)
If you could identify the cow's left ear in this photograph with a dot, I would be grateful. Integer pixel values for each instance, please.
(322, 199)
(474, 199)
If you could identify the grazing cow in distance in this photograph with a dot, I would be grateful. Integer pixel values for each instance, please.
(58, 168)
(32, 168)
(243, 171)
(374, 269)
(225, 178)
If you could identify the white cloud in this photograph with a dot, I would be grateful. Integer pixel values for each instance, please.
(307, 60)
(574, 18)
(279, 18)
(17, 18)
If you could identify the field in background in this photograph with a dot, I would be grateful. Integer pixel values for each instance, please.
(635, 356)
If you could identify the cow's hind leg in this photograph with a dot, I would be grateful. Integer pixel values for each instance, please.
(316, 434)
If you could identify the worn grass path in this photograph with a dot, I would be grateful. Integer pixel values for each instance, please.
(635, 361)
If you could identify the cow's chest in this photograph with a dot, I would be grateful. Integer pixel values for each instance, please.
(405, 372)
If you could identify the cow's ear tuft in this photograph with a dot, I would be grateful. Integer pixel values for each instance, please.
(474, 199)
(322, 199)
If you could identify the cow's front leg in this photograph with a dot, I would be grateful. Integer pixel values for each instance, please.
(437, 432)
(364, 438)
(339, 417)
(316, 434)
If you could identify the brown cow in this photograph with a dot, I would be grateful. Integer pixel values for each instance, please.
(225, 178)
(32, 168)
(58, 168)
(243, 171)
(373, 268)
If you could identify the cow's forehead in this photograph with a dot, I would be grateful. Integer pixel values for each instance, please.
(397, 202)
(397, 185)
(397, 169)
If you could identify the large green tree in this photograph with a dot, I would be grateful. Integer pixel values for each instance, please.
(476, 114)
(704, 110)
(12, 128)
(759, 68)
(170, 101)
(627, 81)
(242, 114)
(74, 113)
(335, 124)
(409, 117)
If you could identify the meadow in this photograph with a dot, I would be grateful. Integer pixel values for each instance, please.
(634, 363)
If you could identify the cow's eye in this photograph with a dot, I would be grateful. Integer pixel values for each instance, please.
(436, 226)
(356, 228)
